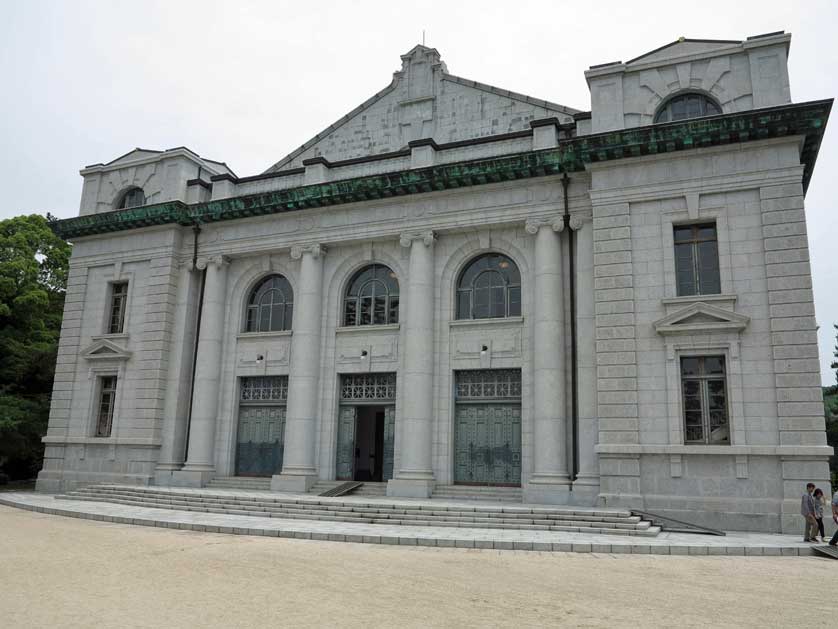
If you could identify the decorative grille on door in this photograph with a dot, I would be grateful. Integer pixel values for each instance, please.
(363, 387)
(487, 438)
(265, 389)
(489, 384)
(261, 427)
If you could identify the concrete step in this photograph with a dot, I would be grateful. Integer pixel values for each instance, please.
(557, 525)
(330, 509)
(241, 482)
(367, 489)
(478, 492)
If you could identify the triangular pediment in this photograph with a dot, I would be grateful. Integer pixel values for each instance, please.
(424, 101)
(105, 350)
(683, 47)
(701, 317)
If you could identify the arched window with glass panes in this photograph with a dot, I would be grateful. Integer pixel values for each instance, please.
(133, 197)
(372, 297)
(270, 306)
(489, 287)
(687, 105)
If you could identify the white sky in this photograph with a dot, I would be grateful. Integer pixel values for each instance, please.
(247, 82)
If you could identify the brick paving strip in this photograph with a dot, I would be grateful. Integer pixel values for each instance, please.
(734, 543)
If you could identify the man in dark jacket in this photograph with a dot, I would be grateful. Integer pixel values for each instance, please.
(807, 510)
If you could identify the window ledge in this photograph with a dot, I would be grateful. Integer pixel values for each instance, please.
(263, 335)
(362, 329)
(122, 336)
(106, 441)
(456, 323)
(732, 450)
(688, 299)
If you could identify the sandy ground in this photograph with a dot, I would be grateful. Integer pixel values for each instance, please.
(62, 572)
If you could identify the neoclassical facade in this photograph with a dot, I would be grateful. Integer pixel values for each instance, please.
(458, 284)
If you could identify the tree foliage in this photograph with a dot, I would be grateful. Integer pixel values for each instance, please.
(33, 279)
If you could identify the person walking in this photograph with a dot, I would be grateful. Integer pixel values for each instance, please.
(807, 510)
(819, 504)
(834, 540)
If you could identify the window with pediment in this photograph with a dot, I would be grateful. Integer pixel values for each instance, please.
(489, 287)
(270, 307)
(372, 297)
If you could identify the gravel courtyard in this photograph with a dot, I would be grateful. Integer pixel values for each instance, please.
(63, 572)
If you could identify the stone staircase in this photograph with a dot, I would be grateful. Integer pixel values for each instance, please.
(248, 483)
(373, 511)
(477, 492)
(377, 490)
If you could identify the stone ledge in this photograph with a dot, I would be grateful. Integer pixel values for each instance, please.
(802, 451)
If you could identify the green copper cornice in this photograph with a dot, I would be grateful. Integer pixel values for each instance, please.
(572, 155)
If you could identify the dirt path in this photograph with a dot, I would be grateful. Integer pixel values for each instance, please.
(62, 572)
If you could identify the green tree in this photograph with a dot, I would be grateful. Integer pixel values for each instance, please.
(33, 279)
(834, 364)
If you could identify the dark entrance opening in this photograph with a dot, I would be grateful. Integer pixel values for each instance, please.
(369, 444)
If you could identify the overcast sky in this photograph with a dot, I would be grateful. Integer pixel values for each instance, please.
(247, 82)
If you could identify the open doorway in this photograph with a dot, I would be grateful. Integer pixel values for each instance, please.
(369, 444)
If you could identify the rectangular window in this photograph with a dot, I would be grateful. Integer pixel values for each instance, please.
(107, 401)
(697, 260)
(705, 400)
(119, 297)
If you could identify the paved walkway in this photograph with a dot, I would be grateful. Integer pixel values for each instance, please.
(499, 539)
(61, 572)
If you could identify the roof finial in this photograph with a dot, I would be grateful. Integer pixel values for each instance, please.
(423, 36)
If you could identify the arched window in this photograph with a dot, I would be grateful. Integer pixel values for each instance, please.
(372, 297)
(489, 287)
(683, 106)
(133, 197)
(271, 305)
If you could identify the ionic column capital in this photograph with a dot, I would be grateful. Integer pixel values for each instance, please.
(427, 237)
(577, 222)
(315, 249)
(532, 225)
(204, 262)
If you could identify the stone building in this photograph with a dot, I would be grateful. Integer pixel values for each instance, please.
(459, 284)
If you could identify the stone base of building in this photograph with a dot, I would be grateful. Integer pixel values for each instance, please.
(192, 477)
(57, 482)
(410, 488)
(585, 492)
(294, 483)
(548, 493)
(164, 475)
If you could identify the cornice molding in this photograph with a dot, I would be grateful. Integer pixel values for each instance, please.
(571, 155)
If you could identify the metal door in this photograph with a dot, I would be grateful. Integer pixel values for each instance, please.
(259, 442)
(346, 444)
(488, 444)
(487, 427)
(389, 442)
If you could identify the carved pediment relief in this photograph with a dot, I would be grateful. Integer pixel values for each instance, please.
(701, 317)
(105, 350)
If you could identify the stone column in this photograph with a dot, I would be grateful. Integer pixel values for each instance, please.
(200, 460)
(181, 354)
(299, 472)
(415, 477)
(550, 481)
(586, 485)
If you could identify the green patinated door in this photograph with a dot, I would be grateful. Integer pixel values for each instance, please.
(361, 394)
(346, 443)
(487, 437)
(389, 441)
(261, 427)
